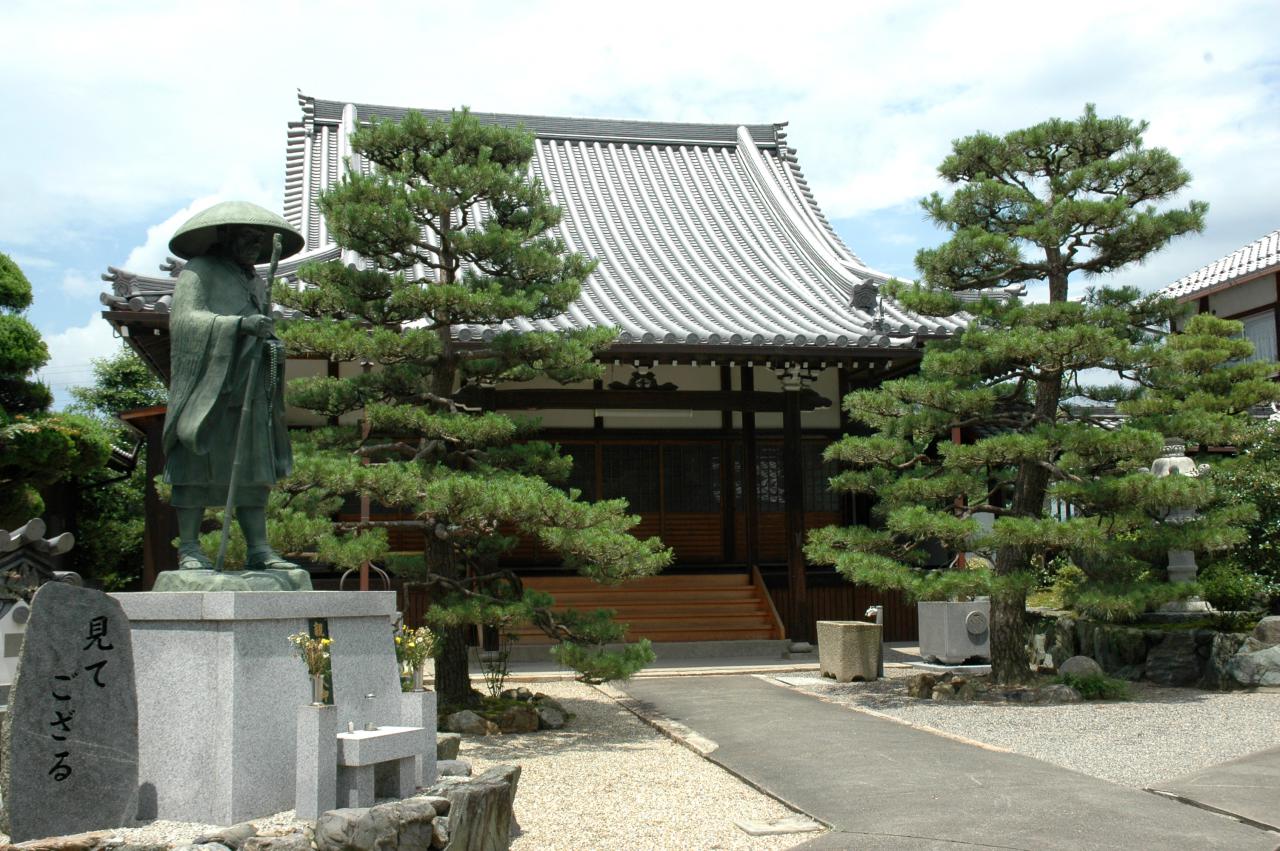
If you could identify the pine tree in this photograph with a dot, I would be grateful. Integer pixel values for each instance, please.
(454, 197)
(37, 448)
(1052, 204)
(110, 513)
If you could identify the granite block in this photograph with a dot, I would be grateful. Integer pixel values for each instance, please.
(316, 778)
(848, 650)
(366, 678)
(356, 786)
(220, 693)
(257, 605)
(394, 779)
(69, 741)
(366, 747)
(270, 605)
(145, 606)
(418, 709)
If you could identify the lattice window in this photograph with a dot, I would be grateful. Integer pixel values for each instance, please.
(583, 475)
(818, 495)
(632, 472)
(691, 477)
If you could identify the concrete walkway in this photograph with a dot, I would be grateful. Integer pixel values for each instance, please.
(1248, 787)
(881, 784)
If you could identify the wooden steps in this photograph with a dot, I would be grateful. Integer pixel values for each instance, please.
(679, 607)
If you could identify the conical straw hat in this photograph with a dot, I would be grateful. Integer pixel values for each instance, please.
(201, 231)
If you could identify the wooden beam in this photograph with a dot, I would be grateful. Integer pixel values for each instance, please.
(677, 400)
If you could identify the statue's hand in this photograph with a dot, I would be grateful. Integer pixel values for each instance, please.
(260, 326)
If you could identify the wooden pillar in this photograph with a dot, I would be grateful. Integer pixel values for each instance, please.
(800, 626)
(728, 511)
(749, 464)
(161, 527)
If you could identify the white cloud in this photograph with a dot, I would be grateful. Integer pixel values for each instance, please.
(146, 258)
(874, 92)
(79, 285)
(71, 353)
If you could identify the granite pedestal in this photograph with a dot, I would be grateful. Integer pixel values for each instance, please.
(220, 686)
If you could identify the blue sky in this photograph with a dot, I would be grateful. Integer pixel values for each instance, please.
(124, 118)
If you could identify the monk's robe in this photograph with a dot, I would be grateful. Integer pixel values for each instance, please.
(210, 361)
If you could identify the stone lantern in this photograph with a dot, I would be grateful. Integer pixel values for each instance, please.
(1174, 462)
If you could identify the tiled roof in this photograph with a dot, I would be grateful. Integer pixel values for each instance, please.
(1256, 258)
(706, 234)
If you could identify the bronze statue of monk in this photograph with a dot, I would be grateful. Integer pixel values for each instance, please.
(220, 330)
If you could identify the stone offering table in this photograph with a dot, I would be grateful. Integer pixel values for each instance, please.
(219, 687)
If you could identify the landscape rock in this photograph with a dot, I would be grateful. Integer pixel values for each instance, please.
(481, 814)
(232, 837)
(921, 685)
(547, 700)
(1257, 668)
(202, 846)
(75, 842)
(521, 718)
(396, 826)
(469, 722)
(453, 768)
(1058, 693)
(447, 745)
(1217, 673)
(550, 718)
(1080, 666)
(1173, 661)
(440, 832)
(289, 842)
(296, 841)
(1267, 632)
(942, 691)
(438, 802)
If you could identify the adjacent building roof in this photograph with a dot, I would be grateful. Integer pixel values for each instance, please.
(1256, 259)
(707, 235)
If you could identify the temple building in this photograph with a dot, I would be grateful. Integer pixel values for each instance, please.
(743, 318)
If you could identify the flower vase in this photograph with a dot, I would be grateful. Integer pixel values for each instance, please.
(417, 678)
(317, 690)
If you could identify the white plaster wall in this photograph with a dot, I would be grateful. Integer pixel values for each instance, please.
(1247, 296)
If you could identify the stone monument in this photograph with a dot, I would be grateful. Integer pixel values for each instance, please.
(70, 738)
(1182, 563)
(225, 437)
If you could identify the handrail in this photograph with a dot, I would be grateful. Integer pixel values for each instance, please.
(758, 581)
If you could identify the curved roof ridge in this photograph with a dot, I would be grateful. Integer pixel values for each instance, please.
(561, 127)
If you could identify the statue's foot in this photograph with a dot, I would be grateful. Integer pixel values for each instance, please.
(268, 560)
(191, 557)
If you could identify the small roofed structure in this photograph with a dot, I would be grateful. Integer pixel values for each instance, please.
(743, 318)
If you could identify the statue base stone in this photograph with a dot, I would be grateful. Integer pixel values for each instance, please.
(296, 579)
(220, 685)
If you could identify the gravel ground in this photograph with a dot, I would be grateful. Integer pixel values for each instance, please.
(1160, 734)
(606, 781)
(177, 833)
(609, 781)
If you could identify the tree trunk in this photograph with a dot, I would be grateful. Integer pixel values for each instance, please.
(1009, 660)
(453, 675)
